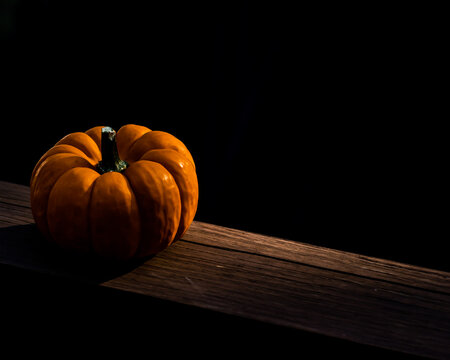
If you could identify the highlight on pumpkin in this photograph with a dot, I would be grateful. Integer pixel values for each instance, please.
(142, 182)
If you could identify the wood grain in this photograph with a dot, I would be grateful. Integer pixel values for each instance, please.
(367, 300)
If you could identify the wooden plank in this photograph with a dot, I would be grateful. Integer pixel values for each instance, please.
(337, 260)
(291, 284)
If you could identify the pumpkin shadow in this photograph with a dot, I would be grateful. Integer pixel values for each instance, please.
(24, 247)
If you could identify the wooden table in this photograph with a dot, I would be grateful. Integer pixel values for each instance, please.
(274, 283)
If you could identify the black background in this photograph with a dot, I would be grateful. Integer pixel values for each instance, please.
(315, 123)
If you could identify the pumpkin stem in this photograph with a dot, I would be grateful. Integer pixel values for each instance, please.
(110, 156)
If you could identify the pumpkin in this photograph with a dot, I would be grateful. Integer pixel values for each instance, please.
(120, 195)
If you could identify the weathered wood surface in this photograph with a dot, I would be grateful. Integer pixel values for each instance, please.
(367, 300)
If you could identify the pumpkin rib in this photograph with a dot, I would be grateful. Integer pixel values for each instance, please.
(158, 140)
(141, 212)
(186, 179)
(127, 135)
(114, 217)
(133, 194)
(96, 134)
(83, 142)
(58, 156)
(63, 208)
(88, 212)
(45, 178)
(159, 203)
(58, 149)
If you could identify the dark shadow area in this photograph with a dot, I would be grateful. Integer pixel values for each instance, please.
(25, 244)
(52, 316)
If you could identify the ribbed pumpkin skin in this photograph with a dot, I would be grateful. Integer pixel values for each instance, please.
(118, 215)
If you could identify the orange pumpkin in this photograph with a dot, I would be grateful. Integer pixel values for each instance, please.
(121, 196)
